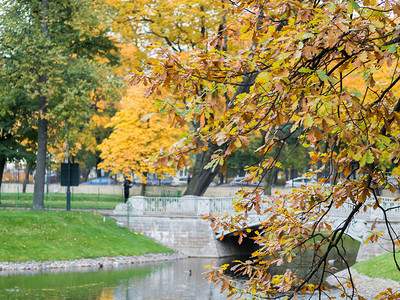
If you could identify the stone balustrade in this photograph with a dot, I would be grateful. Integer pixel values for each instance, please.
(187, 205)
(198, 206)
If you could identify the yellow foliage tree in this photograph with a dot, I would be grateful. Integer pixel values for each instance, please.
(178, 25)
(138, 134)
(104, 100)
(160, 27)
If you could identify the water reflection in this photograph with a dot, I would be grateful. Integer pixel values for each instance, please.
(176, 280)
(169, 280)
(182, 279)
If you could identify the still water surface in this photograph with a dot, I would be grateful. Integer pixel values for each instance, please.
(169, 280)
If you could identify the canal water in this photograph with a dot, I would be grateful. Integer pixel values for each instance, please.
(181, 279)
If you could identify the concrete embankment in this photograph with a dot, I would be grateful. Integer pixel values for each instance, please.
(87, 263)
(367, 286)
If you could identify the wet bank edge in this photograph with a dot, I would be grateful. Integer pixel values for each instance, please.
(89, 262)
(365, 285)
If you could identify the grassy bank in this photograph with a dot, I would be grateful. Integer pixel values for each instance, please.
(381, 266)
(78, 201)
(47, 236)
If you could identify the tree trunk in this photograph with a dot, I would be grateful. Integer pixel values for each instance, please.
(38, 194)
(26, 179)
(275, 179)
(202, 178)
(86, 174)
(2, 166)
(221, 177)
(270, 179)
(293, 173)
(144, 185)
(143, 189)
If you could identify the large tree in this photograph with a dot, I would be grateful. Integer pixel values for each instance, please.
(292, 68)
(52, 48)
(138, 134)
(16, 109)
(15, 129)
(177, 26)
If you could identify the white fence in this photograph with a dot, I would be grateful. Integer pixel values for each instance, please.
(187, 205)
(197, 206)
(391, 206)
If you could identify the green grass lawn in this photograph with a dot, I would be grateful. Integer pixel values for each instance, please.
(59, 235)
(382, 266)
(78, 201)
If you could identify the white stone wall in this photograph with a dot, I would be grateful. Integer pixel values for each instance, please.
(191, 236)
(369, 250)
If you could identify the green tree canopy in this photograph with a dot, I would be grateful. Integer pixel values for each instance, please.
(55, 53)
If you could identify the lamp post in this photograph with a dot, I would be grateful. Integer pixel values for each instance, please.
(69, 177)
(17, 165)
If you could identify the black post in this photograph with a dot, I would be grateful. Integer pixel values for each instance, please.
(69, 177)
(68, 187)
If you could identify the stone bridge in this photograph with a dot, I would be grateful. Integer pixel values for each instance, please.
(178, 224)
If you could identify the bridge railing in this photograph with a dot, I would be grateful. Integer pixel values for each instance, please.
(187, 205)
(196, 206)
(157, 205)
(391, 206)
